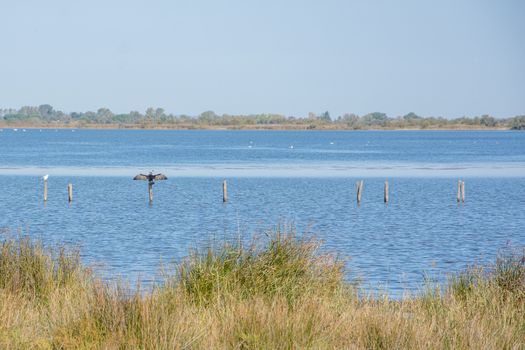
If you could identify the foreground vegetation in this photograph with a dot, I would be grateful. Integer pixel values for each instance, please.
(156, 118)
(274, 294)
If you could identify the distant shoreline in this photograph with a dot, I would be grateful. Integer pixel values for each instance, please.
(45, 116)
(273, 127)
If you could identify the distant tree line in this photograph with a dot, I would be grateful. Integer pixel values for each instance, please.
(156, 117)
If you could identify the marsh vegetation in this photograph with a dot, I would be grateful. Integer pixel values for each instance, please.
(278, 292)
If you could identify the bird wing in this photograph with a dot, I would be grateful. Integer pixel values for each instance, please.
(160, 177)
(140, 177)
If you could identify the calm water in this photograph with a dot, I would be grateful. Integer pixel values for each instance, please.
(306, 178)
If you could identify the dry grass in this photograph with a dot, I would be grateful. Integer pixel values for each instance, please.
(281, 293)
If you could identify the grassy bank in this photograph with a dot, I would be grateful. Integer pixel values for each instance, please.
(276, 293)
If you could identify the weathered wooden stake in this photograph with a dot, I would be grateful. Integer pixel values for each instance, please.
(359, 185)
(224, 191)
(70, 192)
(459, 191)
(45, 190)
(463, 191)
(150, 190)
(386, 191)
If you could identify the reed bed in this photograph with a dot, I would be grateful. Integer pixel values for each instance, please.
(277, 293)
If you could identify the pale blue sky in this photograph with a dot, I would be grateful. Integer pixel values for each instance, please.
(445, 58)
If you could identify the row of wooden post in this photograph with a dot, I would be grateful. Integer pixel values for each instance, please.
(359, 190)
(69, 191)
(150, 191)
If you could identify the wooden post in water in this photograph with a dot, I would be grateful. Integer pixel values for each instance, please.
(45, 190)
(224, 192)
(386, 191)
(150, 190)
(463, 191)
(70, 192)
(359, 186)
(459, 191)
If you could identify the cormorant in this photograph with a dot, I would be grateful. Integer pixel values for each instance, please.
(150, 177)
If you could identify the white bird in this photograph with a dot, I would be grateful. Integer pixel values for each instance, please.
(45, 177)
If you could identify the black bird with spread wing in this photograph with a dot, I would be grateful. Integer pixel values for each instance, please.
(151, 181)
(150, 177)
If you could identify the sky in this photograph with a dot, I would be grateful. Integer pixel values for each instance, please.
(446, 58)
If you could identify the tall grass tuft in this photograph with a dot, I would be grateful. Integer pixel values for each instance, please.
(506, 277)
(509, 274)
(284, 266)
(28, 268)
